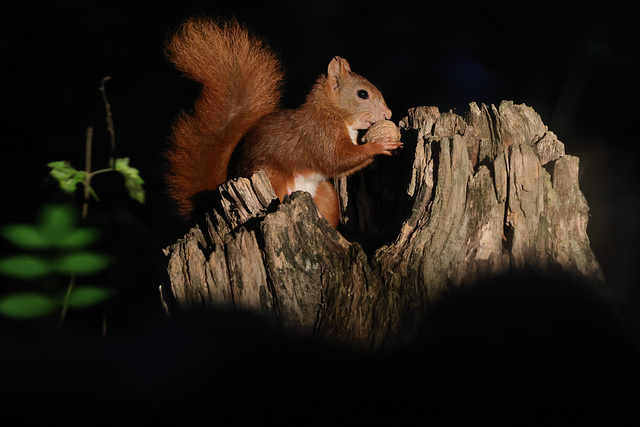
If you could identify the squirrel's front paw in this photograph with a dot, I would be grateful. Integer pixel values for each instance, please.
(384, 135)
(387, 145)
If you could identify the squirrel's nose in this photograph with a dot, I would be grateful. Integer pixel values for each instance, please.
(387, 114)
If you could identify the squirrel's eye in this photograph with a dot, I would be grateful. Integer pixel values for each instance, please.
(363, 94)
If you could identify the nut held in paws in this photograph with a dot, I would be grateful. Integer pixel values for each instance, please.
(382, 129)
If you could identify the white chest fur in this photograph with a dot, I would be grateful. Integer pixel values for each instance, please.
(353, 133)
(308, 183)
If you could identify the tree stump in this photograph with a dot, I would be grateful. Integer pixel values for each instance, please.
(467, 199)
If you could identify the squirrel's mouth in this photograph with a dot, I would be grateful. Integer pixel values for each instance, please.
(364, 125)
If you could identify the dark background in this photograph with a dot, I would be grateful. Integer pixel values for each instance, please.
(574, 62)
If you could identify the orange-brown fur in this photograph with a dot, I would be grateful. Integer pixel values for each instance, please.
(237, 128)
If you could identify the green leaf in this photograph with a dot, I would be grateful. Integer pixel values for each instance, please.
(57, 222)
(60, 219)
(57, 229)
(67, 176)
(132, 179)
(80, 238)
(86, 296)
(81, 263)
(25, 236)
(24, 266)
(27, 305)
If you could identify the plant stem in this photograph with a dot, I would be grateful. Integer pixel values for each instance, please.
(87, 168)
(65, 303)
(104, 321)
(109, 120)
(94, 173)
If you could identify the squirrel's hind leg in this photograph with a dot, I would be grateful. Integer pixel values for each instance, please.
(325, 195)
(327, 200)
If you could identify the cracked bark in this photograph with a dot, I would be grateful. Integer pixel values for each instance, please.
(467, 199)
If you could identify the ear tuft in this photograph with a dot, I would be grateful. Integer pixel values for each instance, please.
(338, 67)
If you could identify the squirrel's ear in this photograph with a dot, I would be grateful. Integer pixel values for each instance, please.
(337, 68)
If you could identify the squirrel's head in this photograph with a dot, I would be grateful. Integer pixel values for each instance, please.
(360, 102)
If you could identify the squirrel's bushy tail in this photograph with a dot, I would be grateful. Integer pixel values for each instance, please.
(241, 80)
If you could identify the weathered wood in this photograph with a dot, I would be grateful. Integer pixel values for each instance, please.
(486, 194)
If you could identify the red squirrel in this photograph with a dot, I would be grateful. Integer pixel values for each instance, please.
(237, 127)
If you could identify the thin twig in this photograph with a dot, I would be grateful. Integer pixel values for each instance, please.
(94, 173)
(87, 169)
(109, 120)
(104, 321)
(65, 303)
